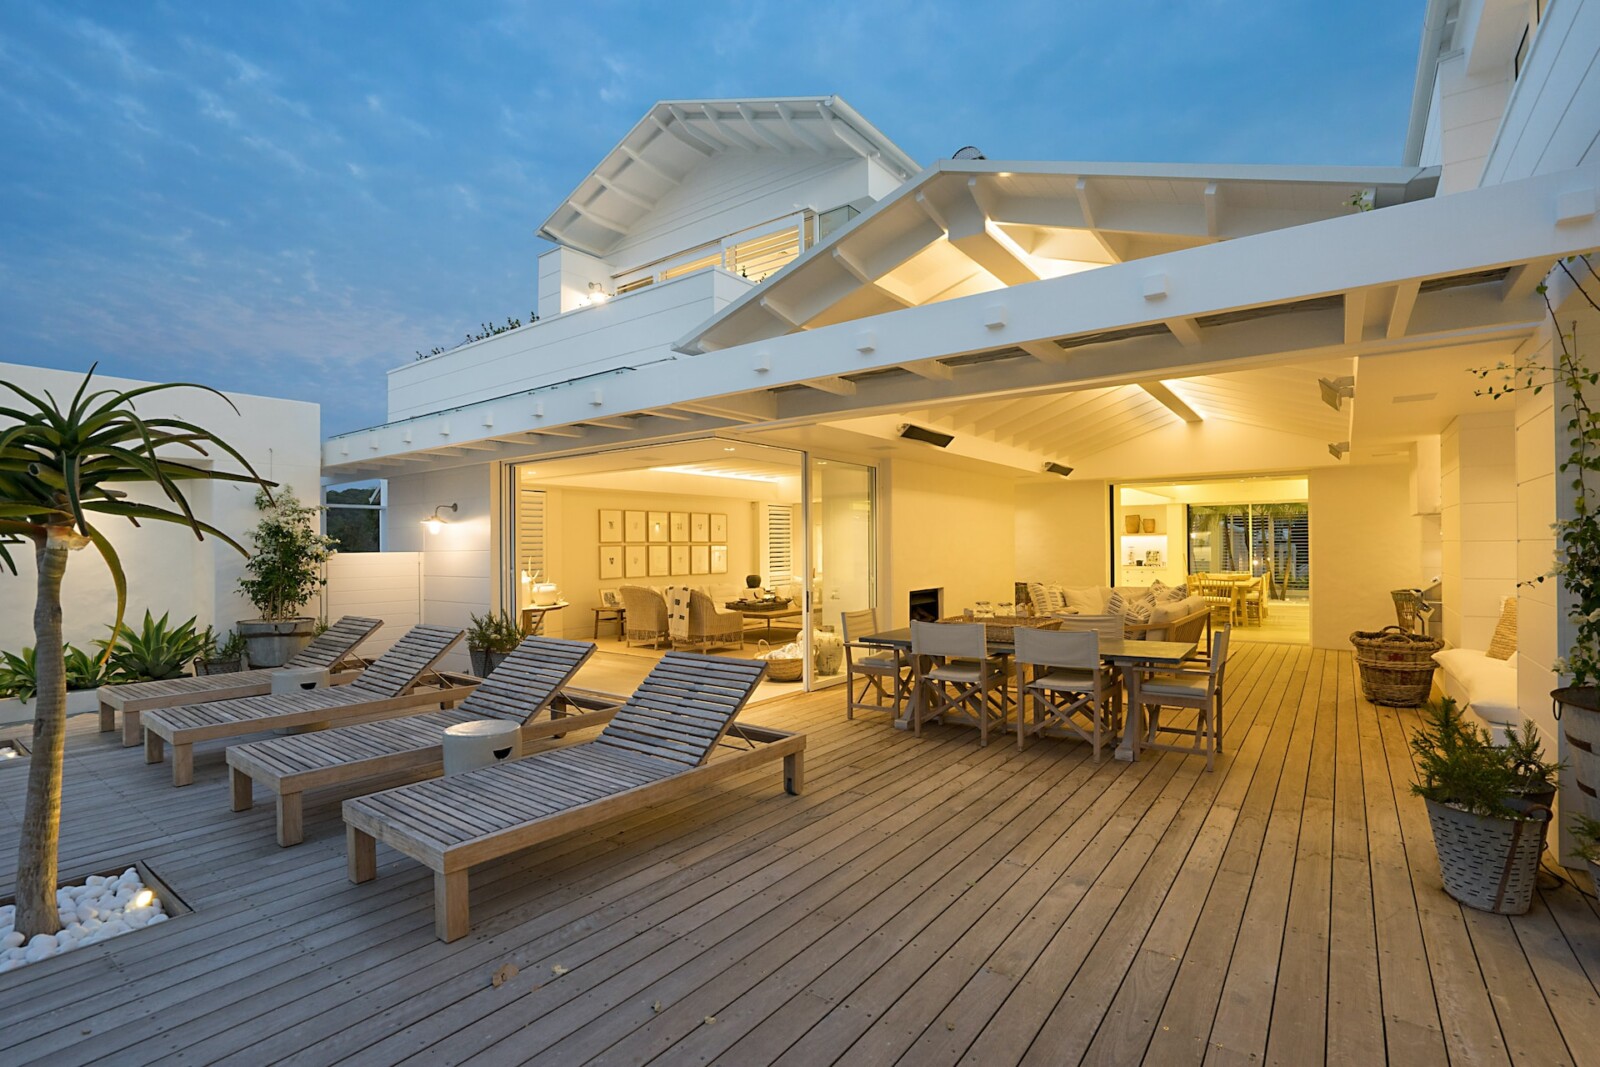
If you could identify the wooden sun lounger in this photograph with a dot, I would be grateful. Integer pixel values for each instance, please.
(529, 681)
(384, 690)
(655, 749)
(327, 650)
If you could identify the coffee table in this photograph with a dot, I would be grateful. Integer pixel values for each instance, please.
(767, 616)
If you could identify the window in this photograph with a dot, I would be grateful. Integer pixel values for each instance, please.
(700, 263)
(1256, 539)
(528, 538)
(829, 221)
(761, 256)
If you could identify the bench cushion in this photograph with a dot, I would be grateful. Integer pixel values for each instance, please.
(1487, 687)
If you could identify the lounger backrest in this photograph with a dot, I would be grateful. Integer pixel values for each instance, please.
(397, 670)
(336, 642)
(683, 707)
(528, 678)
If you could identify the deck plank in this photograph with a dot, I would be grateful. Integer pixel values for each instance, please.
(925, 902)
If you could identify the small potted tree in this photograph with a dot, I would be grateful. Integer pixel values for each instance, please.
(1483, 805)
(491, 638)
(283, 573)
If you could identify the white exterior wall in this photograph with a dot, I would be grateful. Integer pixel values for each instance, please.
(457, 562)
(1478, 524)
(1469, 110)
(565, 275)
(168, 570)
(629, 330)
(1364, 543)
(949, 529)
(735, 191)
(1552, 120)
(377, 585)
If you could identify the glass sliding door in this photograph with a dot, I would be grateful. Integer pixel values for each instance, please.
(1271, 540)
(842, 559)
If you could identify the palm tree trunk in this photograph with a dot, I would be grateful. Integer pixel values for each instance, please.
(41, 820)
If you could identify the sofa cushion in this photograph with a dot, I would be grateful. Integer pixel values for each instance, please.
(1086, 600)
(1487, 686)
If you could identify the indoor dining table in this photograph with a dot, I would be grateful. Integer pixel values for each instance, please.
(1119, 652)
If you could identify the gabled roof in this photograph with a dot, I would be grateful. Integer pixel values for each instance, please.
(676, 136)
(963, 227)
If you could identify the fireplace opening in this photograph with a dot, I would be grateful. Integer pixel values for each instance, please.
(926, 604)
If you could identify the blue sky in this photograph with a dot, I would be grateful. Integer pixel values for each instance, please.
(292, 198)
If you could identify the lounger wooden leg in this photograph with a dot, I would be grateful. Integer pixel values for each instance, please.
(794, 773)
(291, 824)
(182, 764)
(361, 855)
(450, 917)
(243, 796)
(154, 748)
(108, 718)
(130, 728)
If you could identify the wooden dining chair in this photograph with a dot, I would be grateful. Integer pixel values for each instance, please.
(1064, 687)
(1199, 688)
(956, 678)
(882, 673)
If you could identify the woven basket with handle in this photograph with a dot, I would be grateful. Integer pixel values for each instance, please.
(780, 668)
(1396, 667)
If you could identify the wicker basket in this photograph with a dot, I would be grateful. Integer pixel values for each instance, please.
(780, 668)
(1002, 629)
(1489, 864)
(1396, 667)
(1405, 608)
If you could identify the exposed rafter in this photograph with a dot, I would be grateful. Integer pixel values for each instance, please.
(834, 384)
(631, 197)
(1044, 351)
(931, 369)
(1089, 205)
(748, 114)
(1171, 401)
(680, 130)
(793, 125)
(733, 139)
(1213, 201)
(1355, 316)
(1405, 301)
(1186, 330)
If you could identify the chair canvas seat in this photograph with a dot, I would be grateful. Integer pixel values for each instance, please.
(1174, 685)
(878, 663)
(1065, 679)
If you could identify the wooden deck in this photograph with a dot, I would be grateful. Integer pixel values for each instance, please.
(925, 902)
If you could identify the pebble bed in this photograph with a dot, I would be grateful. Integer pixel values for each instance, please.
(103, 908)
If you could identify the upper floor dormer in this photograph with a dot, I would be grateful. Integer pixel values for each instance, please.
(744, 185)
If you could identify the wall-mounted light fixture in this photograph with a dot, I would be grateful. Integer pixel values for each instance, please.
(919, 433)
(1338, 450)
(1057, 468)
(436, 521)
(1336, 390)
(597, 293)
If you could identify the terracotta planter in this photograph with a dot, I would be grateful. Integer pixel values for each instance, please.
(1580, 724)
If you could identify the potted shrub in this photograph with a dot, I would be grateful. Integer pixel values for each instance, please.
(283, 573)
(154, 651)
(1489, 834)
(1586, 834)
(225, 657)
(490, 639)
(1577, 563)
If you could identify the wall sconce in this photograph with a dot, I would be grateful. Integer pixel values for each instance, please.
(436, 521)
(1338, 449)
(597, 293)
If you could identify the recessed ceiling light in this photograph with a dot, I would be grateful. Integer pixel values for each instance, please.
(727, 448)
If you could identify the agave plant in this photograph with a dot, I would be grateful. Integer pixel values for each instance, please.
(19, 677)
(60, 469)
(85, 670)
(155, 650)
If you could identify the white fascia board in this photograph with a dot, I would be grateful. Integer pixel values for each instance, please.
(1480, 229)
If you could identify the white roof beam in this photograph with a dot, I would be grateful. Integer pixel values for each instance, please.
(556, 431)
(599, 219)
(1213, 201)
(1171, 401)
(857, 271)
(1355, 316)
(662, 413)
(649, 166)
(609, 424)
(743, 407)
(747, 113)
(848, 137)
(794, 126)
(931, 369)
(1044, 351)
(1186, 330)
(1524, 278)
(1089, 205)
(1405, 301)
(733, 139)
(680, 130)
(614, 186)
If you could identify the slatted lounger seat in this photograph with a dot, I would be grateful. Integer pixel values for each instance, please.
(529, 681)
(384, 690)
(655, 749)
(326, 651)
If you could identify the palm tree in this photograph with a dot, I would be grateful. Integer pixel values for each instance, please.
(57, 468)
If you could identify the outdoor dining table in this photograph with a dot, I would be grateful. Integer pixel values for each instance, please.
(1118, 652)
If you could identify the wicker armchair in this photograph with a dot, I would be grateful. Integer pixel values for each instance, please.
(646, 611)
(710, 627)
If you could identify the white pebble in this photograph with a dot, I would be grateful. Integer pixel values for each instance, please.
(12, 940)
(159, 917)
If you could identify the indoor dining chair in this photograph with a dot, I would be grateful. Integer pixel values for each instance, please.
(956, 678)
